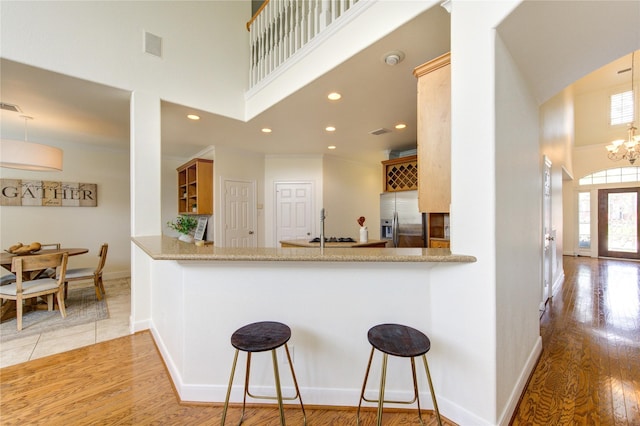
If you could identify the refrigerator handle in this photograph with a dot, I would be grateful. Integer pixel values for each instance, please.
(394, 229)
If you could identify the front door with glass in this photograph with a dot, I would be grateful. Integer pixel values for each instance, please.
(618, 232)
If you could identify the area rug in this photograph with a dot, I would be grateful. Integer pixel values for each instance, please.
(82, 307)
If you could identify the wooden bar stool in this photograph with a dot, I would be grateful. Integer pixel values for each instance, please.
(403, 341)
(260, 337)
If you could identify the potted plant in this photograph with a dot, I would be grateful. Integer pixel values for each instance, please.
(184, 225)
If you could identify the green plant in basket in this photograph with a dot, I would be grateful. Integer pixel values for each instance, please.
(183, 224)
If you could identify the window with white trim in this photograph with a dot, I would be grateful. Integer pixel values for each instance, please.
(584, 220)
(621, 111)
(617, 175)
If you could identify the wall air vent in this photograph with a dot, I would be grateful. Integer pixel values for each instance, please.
(153, 44)
(10, 107)
(380, 131)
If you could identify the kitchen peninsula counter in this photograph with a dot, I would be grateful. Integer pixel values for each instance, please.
(168, 248)
(194, 298)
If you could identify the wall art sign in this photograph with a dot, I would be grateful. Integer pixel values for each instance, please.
(21, 192)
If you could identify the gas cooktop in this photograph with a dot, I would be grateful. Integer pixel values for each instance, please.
(334, 240)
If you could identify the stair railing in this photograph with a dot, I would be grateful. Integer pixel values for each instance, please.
(280, 28)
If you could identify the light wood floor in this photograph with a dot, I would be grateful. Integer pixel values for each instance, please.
(589, 371)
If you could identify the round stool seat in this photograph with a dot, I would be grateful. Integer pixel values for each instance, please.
(399, 340)
(261, 336)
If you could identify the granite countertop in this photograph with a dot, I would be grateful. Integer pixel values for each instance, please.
(331, 244)
(169, 248)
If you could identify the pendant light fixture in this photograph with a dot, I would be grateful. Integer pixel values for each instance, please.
(627, 149)
(25, 155)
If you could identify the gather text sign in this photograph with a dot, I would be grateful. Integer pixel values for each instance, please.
(19, 192)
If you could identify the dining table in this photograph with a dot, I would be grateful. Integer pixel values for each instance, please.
(7, 258)
(7, 310)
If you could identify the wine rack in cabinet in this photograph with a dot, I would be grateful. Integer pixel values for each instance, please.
(195, 187)
(400, 174)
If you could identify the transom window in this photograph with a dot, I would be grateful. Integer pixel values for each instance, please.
(618, 175)
(622, 108)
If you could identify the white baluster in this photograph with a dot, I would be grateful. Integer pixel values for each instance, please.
(286, 30)
(263, 49)
(284, 26)
(316, 17)
(279, 24)
(309, 21)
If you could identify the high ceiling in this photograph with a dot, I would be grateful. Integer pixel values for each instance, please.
(375, 95)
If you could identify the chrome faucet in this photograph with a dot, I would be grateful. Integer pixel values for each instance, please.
(322, 218)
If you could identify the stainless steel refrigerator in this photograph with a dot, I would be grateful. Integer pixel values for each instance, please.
(400, 220)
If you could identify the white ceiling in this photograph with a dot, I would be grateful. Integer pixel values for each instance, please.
(375, 95)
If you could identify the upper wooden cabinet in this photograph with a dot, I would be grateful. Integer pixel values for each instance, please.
(434, 134)
(195, 187)
(400, 174)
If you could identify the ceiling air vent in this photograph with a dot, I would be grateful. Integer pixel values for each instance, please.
(10, 107)
(380, 131)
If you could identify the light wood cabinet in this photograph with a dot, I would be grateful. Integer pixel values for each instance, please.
(400, 174)
(195, 187)
(438, 229)
(437, 243)
(434, 134)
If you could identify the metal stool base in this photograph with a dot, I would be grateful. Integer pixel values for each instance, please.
(278, 395)
(383, 377)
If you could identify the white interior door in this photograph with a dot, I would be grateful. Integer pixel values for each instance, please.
(239, 214)
(548, 237)
(293, 211)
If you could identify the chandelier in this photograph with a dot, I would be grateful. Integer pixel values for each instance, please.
(628, 149)
(24, 155)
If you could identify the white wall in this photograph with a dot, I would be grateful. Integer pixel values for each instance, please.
(495, 214)
(556, 142)
(592, 116)
(102, 41)
(231, 163)
(518, 229)
(351, 190)
(87, 227)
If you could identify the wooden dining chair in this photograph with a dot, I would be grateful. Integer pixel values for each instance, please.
(77, 274)
(50, 272)
(23, 266)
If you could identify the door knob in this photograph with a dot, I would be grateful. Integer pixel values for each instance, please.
(250, 232)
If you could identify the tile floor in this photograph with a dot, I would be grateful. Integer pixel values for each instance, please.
(37, 346)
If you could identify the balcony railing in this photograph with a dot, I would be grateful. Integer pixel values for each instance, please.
(280, 28)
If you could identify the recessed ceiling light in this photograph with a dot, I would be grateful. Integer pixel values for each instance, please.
(401, 126)
(334, 96)
(193, 117)
(266, 130)
(331, 147)
(330, 129)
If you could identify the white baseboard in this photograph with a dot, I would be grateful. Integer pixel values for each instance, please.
(514, 398)
(557, 284)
